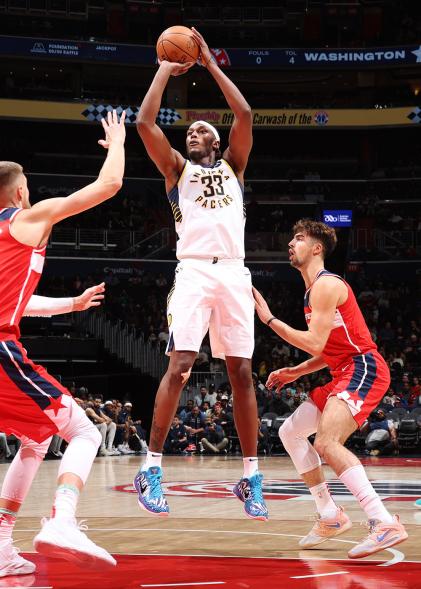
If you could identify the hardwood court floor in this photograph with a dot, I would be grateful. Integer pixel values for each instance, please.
(208, 522)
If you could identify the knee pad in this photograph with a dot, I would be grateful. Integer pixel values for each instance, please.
(293, 435)
(29, 448)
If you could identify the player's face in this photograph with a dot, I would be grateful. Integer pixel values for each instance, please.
(200, 142)
(300, 250)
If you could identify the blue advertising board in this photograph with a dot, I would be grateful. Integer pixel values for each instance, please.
(338, 218)
(286, 58)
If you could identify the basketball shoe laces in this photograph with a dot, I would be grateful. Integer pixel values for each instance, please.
(256, 491)
(80, 525)
(371, 526)
(155, 486)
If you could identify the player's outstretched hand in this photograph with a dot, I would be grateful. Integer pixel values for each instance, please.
(205, 56)
(92, 297)
(115, 130)
(278, 378)
(174, 68)
(262, 307)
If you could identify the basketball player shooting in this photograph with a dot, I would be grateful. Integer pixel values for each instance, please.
(33, 405)
(212, 288)
(338, 338)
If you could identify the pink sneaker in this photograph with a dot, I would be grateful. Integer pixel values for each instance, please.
(380, 536)
(325, 528)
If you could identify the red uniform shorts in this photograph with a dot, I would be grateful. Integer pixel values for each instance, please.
(361, 384)
(30, 398)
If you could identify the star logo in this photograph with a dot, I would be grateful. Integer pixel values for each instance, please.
(417, 53)
(55, 405)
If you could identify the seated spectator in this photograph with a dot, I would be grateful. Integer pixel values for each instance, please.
(288, 393)
(262, 437)
(4, 447)
(218, 414)
(206, 410)
(184, 411)
(277, 404)
(105, 425)
(54, 448)
(176, 441)
(204, 396)
(382, 437)
(213, 439)
(135, 427)
(194, 424)
(415, 396)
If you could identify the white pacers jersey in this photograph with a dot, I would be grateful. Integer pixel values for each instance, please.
(209, 213)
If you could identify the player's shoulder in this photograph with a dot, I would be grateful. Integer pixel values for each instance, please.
(328, 282)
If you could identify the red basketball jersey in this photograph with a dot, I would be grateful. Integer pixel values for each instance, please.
(349, 336)
(21, 267)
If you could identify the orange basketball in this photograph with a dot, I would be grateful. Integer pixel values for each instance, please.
(177, 44)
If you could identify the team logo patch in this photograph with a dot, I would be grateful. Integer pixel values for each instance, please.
(388, 490)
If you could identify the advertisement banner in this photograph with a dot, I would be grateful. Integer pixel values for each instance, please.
(170, 117)
(286, 58)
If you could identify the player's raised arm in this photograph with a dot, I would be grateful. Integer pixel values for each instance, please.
(33, 225)
(168, 161)
(240, 139)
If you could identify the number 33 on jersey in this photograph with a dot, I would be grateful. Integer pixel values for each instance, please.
(208, 208)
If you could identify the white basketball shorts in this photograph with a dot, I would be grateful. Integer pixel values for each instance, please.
(216, 297)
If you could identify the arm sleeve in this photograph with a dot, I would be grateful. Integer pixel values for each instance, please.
(47, 306)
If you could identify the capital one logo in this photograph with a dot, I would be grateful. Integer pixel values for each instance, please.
(330, 218)
(354, 404)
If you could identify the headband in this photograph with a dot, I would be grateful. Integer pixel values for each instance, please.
(210, 128)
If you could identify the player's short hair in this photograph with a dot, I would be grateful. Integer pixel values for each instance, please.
(9, 171)
(319, 231)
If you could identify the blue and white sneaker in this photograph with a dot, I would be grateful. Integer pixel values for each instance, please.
(418, 503)
(249, 491)
(150, 496)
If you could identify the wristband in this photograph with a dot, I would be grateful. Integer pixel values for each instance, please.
(270, 320)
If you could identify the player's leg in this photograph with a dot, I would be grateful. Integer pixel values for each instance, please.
(249, 488)
(231, 333)
(60, 535)
(188, 320)
(336, 425)
(294, 433)
(16, 485)
(148, 480)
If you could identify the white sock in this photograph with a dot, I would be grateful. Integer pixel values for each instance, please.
(65, 502)
(152, 459)
(326, 506)
(251, 466)
(355, 479)
(7, 523)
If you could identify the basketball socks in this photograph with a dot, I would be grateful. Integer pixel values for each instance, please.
(355, 479)
(65, 502)
(326, 507)
(152, 459)
(7, 523)
(251, 465)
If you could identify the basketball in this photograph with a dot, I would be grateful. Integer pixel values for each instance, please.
(177, 44)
